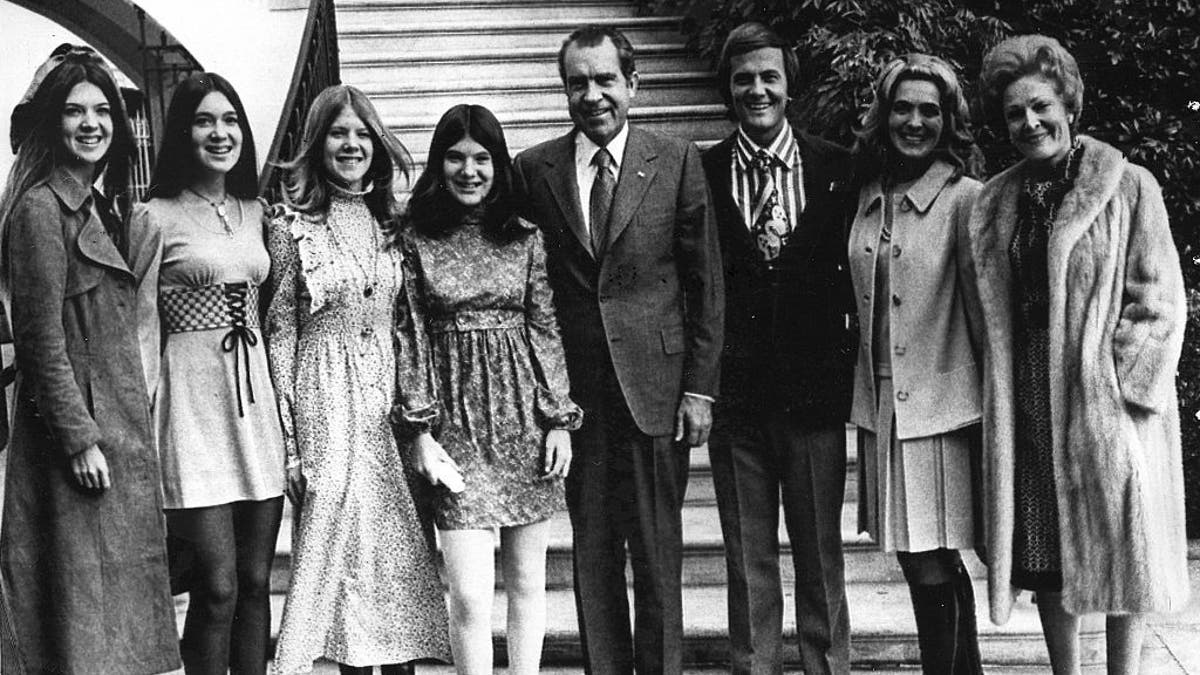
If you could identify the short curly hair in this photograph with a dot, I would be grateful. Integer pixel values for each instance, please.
(1025, 55)
(956, 146)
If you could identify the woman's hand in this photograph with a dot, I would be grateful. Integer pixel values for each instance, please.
(435, 464)
(90, 469)
(557, 461)
(295, 484)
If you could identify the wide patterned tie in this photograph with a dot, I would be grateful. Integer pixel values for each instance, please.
(601, 200)
(770, 227)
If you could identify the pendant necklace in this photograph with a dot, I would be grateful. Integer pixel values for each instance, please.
(222, 213)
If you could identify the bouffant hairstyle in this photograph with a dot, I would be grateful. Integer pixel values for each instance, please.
(749, 37)
(176, 166)
(307, 186)
(873, 147)
(1025, 55)
(593, 36)
(432, 210)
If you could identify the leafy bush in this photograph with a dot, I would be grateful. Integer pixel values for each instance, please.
(1141, 66)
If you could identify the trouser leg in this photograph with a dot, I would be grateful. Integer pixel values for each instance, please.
(720, 451)
(813, 474)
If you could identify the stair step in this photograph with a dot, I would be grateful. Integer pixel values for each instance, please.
(882, 629)
(528, 128)
(392, 66)
(511, 95)
(354, 13)
(422, 36)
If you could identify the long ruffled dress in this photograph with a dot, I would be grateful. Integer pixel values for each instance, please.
(498, 369)
(364, 588)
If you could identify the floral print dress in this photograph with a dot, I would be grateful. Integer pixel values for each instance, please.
(498, 368)
(364, 588)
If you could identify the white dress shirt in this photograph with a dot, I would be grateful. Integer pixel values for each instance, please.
(585, 171)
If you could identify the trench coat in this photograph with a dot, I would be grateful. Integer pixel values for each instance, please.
(86, 570)
(1117, 314)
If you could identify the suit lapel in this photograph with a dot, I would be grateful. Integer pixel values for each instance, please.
(816, 190)
(637, 173)
(562, 184)
(723, 198)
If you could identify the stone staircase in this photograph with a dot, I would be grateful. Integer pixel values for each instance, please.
(416, 58)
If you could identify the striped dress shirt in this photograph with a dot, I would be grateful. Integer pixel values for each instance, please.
(787, 172)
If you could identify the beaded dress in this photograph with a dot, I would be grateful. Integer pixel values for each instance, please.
(1037, 556)
(364, 588)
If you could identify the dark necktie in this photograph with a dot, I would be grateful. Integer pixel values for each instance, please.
(770, 222)
(601, 200)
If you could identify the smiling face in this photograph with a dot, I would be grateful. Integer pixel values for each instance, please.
(468, 170)
(598, 94)
(1038, 122)
(87, 124)
(758, 84)
(216, 134)
(915, 119)
(348, 149)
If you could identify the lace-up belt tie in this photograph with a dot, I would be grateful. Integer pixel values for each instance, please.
(480, 319)
(232, 306)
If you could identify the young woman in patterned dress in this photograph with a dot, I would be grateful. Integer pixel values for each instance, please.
(218, 426)
(477, 286)
(365, 590)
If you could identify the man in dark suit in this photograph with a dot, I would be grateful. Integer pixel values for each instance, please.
(782, 201)
(633, 260)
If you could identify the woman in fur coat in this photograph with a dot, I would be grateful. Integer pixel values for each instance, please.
(1080, 297)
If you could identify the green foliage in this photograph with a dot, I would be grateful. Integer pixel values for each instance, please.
(1140, 61)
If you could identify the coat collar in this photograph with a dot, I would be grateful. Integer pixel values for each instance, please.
(68, 189)
(93, 240)
(921, 194)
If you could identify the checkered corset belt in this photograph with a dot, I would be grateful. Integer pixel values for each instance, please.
(233, 306)
(477, 319)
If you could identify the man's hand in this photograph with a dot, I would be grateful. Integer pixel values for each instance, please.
(693, 420)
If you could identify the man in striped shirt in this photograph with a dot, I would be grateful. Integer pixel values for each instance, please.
(783, 202)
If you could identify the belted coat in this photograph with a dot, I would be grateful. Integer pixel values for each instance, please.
(1117, 313)
(86, 570)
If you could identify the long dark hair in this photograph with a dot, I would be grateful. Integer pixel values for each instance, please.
(432, 210)
(307, 185)
(43, 148)
(873, 147)
(176, 165)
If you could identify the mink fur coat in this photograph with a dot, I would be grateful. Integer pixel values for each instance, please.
(1117, 313)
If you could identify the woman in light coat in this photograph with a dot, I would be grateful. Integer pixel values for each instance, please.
(1080, 294)
(916, 387)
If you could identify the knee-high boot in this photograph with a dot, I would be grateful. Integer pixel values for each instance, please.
(935, 607)
(967, 660)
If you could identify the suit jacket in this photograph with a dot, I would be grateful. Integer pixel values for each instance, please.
(789, 334)
(652, 304)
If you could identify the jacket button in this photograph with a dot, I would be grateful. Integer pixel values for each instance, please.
(868, 249)
(866, 297)
(896, 300)
(899, 350)
(902, 396)
(895, 251)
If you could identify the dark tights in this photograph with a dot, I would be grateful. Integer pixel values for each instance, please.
(944, 607)
(228, 622)
(393, 669)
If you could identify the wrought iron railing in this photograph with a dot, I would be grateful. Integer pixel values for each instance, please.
(316, 68)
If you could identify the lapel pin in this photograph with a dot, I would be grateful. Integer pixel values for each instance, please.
(641, 174)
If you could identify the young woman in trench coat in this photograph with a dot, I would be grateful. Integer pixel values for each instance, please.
(1078, 288)
(83, 548)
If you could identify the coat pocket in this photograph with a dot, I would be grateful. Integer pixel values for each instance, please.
(672, 340)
